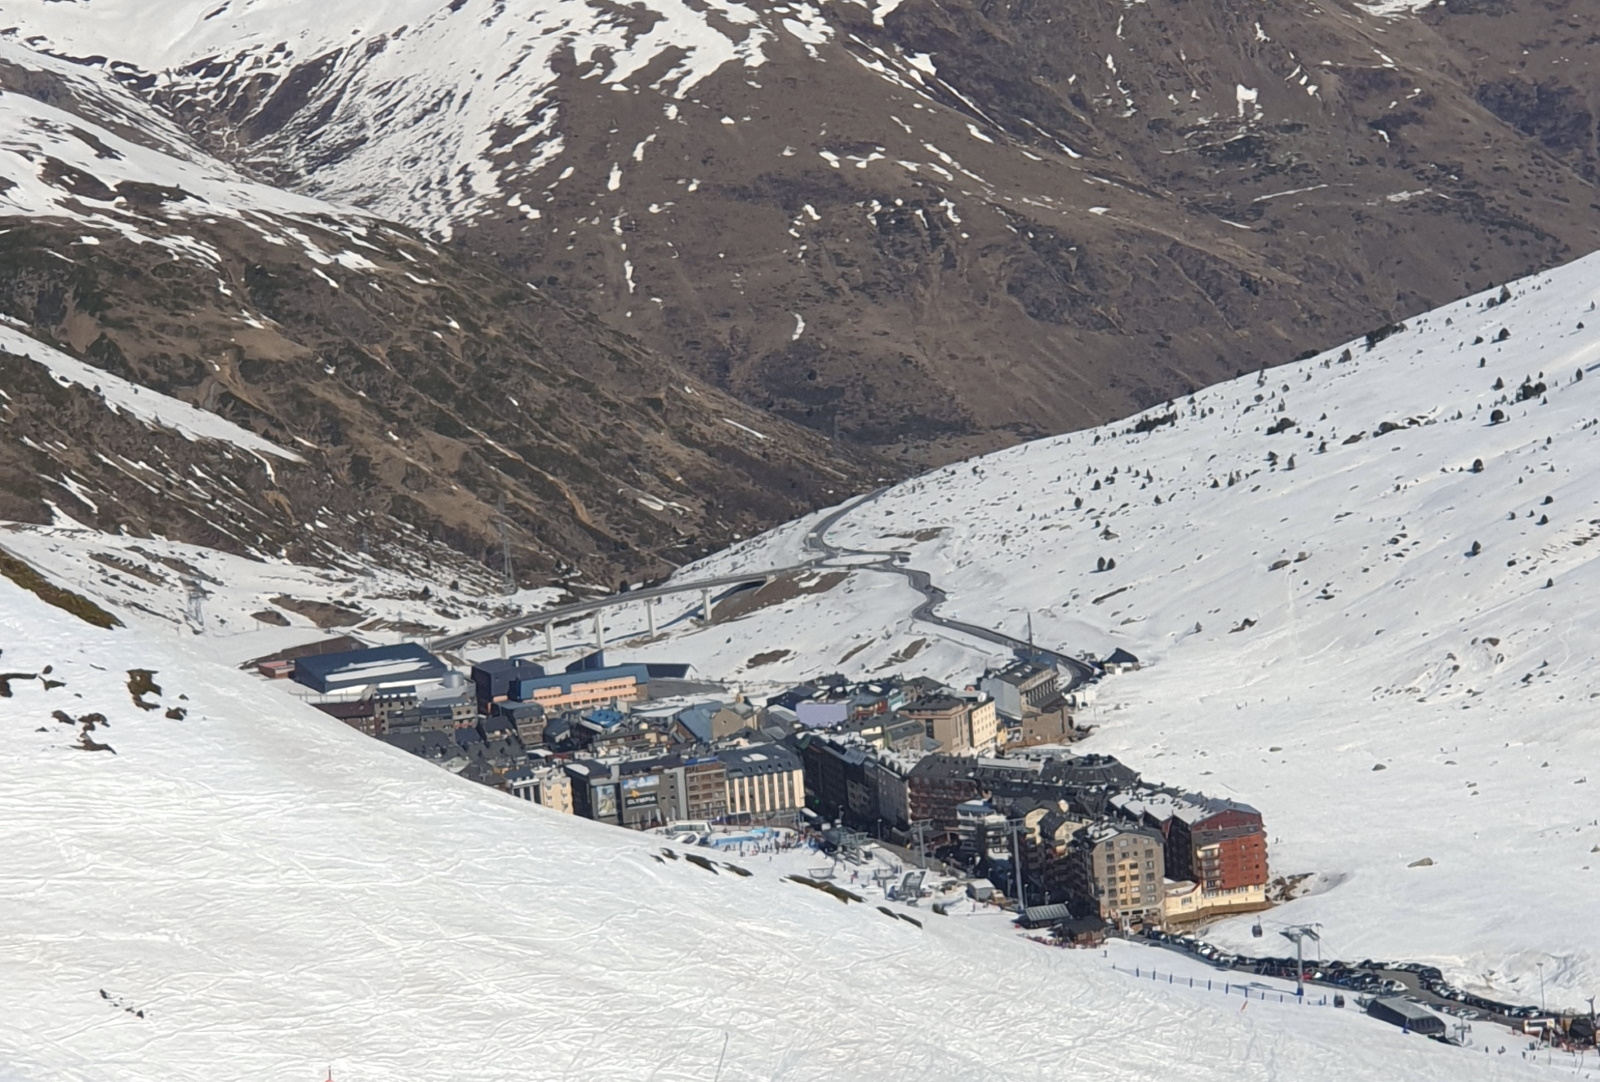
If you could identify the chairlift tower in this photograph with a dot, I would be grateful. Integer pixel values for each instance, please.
(506, 571)
(851, 844)
(1300, 935)
(194, 609)
(920, 828)
(1016, 847)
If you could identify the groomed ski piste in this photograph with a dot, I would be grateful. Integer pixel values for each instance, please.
(252, 891)
(1318, 638)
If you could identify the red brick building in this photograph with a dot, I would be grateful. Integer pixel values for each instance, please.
(1227, 850)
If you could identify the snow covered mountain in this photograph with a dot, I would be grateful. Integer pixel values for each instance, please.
(205, 878)
(193, 353)
(931, 227)
(1362, 588)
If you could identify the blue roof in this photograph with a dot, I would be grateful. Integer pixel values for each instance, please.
(606, 719)
(404, 664)
(497, 666)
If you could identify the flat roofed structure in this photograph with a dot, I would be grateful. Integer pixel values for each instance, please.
(406, 665)
(1402, 1012)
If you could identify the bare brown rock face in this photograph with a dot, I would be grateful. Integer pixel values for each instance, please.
(420, 394)
(934, 228)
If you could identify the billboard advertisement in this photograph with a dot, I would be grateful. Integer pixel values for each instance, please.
(641, 792)
(605, 801)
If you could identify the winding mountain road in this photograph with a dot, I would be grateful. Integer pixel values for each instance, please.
(889, 562)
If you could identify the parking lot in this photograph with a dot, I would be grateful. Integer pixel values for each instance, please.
(1414, 981)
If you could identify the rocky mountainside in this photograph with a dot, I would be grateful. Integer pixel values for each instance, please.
(925, 226)
(359, 388)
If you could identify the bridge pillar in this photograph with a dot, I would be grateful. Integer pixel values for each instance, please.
(505, 643)
(599, 632)
(549, 638)
(705, 604)
(650, 612)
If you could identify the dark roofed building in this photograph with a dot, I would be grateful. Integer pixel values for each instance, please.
(694, 725)
(493, 679)
(1090, 772)
(1020, 687)
(1086, 782)
(1045, 916)
(1401, 1012)
(938, 784)
(1120, 660)
(404, 666)
(529, 719)
(800, 693)
(361, 715)
(497, 728)
(837, 782)
(434, 746)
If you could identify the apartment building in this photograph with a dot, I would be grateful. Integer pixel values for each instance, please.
(1118, 869)
(764, 781)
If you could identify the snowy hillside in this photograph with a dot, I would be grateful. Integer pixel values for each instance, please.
(429, 101)
(206, 880)
(100, 156)
(1294, 561)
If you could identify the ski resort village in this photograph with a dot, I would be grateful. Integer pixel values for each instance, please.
(979, 776)
(1248, 721)
(891, 541)
(930, 795)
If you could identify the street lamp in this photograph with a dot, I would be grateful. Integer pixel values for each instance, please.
(1541, 987)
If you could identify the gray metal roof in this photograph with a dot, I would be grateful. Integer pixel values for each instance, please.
(1414, 1012)
(759, 759)
(1035, 915)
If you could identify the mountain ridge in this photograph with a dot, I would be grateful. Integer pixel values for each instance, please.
(930, 229)
(420, 386)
